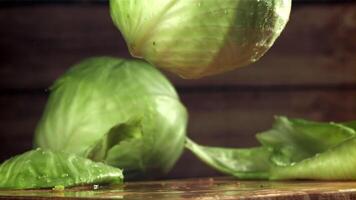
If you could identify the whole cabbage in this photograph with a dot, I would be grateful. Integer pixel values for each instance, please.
(122, 112)
(196, 38)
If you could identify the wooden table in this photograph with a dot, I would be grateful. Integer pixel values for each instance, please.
(204, 188)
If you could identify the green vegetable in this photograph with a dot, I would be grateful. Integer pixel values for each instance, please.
(337, 163)
(46, 169)
(252, 163)
(196, 38)
(124, 113)
(58, 188)
(292, 149)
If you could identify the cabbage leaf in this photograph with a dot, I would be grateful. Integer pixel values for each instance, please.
(292, 149)
(46, 169)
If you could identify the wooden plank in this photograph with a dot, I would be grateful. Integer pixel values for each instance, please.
(203, 188)
(22, 2)
(318, 46)
(35, 51)
(222, 118)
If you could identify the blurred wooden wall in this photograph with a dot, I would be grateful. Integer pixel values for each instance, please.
(310, 73)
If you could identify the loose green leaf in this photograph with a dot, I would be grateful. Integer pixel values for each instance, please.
(195, 38)
(121, 112)
(295, 139)
(46, 169)
(243, 163)
(350, 124)
(292, 149)
(337, 163)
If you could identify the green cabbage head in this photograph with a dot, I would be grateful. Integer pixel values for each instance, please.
(196, 38)
(124, 113)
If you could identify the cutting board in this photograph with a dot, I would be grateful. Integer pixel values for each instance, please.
(203, 188)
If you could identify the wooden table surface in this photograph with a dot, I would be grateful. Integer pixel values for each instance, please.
(203, 188)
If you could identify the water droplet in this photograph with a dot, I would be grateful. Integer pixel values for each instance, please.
(226, 12)
(65, 175)
(199, 4)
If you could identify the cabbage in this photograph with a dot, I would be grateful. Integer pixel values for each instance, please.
(196, 38)
(292, 149)
(46, 169)
(124, 113)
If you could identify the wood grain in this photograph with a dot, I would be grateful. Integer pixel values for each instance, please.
(223, 118)
(39, 42)
(204, 188)
(22, 2)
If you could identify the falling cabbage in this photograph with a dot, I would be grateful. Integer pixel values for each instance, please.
(124, 113)
(292, 149)
(46, 169)
(196, 38)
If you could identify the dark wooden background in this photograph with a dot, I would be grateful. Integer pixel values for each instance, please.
(309, 73)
